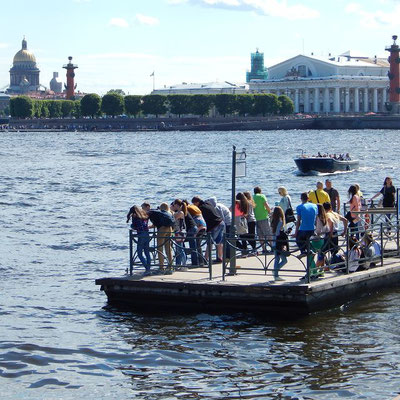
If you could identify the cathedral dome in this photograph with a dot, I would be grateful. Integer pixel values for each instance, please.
(24, 56)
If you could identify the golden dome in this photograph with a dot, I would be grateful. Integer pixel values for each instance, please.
(24, 55)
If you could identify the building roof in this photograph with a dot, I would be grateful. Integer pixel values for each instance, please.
(344, 61)
(24, 55)
(205, 86)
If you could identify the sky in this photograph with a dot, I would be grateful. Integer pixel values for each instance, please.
(117, 44)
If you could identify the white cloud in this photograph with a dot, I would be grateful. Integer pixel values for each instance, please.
(3, 45)
(374, 19)
(146, 20)
(119, 22)
(273, 8)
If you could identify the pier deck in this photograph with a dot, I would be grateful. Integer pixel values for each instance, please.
(250, 289)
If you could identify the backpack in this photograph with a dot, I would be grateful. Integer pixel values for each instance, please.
(161, 218)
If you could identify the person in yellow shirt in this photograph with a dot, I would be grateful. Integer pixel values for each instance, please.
(319, 196)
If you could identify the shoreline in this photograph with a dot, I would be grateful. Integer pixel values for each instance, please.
(305, 122)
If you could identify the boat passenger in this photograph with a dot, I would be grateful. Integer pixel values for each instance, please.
(333, 195)
(319, 196)
(139, 223)
(280, 243)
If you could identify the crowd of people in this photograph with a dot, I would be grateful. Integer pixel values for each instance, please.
(258, 227)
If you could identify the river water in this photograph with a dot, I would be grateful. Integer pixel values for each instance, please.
(63, 201)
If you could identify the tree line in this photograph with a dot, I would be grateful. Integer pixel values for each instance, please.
(114, 104)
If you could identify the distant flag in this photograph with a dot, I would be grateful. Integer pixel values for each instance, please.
(152, 74)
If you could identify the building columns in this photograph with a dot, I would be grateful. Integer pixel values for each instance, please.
(316, 100)
(296, 100)
(336, 100)
(327, 107)
(357, 100)
(346, 94)
(384, 100)
(375, 100)
(306, 100)
(365, 100)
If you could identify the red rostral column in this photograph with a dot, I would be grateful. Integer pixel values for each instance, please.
(71, 85)
(394, 76)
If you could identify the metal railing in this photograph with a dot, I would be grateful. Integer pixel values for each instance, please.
(338, 253)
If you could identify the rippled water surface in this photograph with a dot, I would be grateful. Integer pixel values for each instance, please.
(63, 201)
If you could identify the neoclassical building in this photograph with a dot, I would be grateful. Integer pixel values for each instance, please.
(342, 84)
(24, 74)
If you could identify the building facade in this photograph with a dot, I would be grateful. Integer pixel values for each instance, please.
(343, 84)
(202, 88)
(24, 74)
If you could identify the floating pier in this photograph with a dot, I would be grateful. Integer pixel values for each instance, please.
(247, 291)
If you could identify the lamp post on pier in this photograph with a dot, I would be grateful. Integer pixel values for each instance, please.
(238, 171)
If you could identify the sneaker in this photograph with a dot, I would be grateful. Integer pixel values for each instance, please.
(278, 279)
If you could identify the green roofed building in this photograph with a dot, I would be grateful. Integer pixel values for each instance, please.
(258, 71)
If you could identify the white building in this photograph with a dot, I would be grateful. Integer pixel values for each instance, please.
(203, 88)
(343, 84)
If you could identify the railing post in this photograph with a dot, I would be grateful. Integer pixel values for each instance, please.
(308, 262)
(223, 256)
(347, 251)
(130, 252)
(209, 247)
(381, 244)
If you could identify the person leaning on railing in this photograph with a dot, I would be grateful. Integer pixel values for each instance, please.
(334, 219)
(139, 223)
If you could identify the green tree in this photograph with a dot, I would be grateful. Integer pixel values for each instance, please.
(286, 105)
(244, 104)
(44, 109)
(200, 104)
(266, 104)
(179, 104)
(55, 108)
(90, 105)
(6, 111)
(77, 109)
(67, 108)
(112, 104)
(21, 107)
(132, 104)
(225, 103)
(117, 91)
(154, 104)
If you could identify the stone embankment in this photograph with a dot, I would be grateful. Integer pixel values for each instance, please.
(210, 124)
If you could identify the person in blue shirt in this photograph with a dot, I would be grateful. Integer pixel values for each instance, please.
(305, 224)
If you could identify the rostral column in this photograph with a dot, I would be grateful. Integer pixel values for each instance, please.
(71, 85)
(394, 77)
